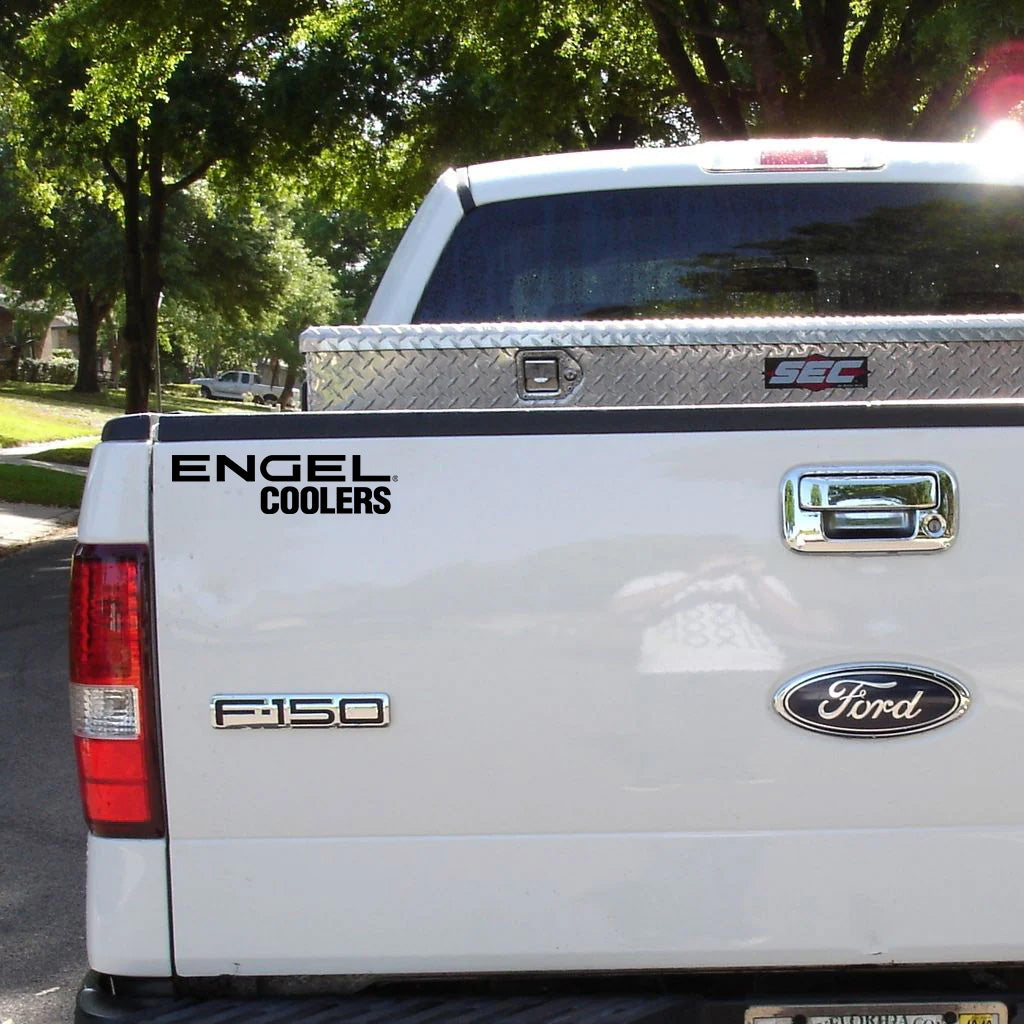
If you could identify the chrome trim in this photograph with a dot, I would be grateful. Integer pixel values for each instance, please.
(836, 332)
(869, 509)
(780, 700)
(819, 493)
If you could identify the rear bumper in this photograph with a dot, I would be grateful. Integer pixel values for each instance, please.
(716, 998)
(152, 1002)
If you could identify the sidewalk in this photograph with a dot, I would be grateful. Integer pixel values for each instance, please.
(25, 524)
(21, 450)
(22, 524)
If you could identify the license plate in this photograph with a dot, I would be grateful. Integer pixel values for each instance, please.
(880, 1013)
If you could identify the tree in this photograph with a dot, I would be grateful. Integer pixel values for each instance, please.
(222, 275)
(161, 99)
(490, 81)
(64, 248)
(355, 247)
(241, 280)
(88, 265)
(601, 72)
(308, 298)
(74, 253)
(896, 68)
(517, 74)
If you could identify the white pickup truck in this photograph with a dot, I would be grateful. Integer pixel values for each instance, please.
(654, 654)
(236, 385)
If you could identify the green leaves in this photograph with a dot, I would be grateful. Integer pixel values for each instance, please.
(240, 281)
(320, 124)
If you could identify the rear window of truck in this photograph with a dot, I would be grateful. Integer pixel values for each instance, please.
(834, 249)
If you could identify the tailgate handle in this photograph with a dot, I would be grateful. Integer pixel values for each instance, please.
(869, 509)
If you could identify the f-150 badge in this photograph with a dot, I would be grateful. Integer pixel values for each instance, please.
(299, 710)
(872, 700)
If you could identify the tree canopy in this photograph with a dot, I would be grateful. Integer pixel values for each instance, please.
(162, 94)
(328, 119)
(895, 68)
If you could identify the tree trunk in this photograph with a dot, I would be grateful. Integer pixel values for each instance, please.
(143, 232)
(90, 312)
(289, 385)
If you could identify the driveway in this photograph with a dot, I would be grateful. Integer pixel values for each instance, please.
(42, 836)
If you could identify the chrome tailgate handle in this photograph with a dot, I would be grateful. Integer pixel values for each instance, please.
(821, 493)
(843, 509)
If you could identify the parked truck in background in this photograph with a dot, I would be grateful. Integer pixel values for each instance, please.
(236, 386)
(653, 654)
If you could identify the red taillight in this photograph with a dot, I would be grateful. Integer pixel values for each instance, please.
(112, 714)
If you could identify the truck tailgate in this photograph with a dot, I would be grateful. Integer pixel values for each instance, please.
(580, 619)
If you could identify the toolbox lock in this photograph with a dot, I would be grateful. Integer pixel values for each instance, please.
(546, 374)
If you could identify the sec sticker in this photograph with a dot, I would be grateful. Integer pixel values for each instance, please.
(977, 1018)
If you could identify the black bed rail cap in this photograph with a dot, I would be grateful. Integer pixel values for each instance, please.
(650, 419)
(136, 427)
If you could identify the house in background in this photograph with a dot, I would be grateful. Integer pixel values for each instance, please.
(62, 333)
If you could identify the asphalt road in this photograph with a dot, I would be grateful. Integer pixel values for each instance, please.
(42, 836)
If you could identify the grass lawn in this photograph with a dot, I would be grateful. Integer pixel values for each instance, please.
(77, 456)
(37, 486)
(25, 422)
(52, 412)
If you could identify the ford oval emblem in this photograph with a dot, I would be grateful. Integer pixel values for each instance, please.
(872, 700)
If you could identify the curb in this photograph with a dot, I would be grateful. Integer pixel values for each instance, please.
(58, 533)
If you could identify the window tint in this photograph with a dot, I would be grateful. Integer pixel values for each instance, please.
(735, 250)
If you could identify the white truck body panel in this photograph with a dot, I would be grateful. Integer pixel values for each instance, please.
(581, 636)
(111, 510)
(128, 932)
(461, 904)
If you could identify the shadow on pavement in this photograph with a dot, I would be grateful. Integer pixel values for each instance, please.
(42, 837)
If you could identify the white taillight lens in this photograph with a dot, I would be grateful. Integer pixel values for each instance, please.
(105, 712)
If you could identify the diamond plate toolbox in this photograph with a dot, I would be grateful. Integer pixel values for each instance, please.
(665, 362)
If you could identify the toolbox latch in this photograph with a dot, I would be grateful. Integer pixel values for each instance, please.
(549, 375)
